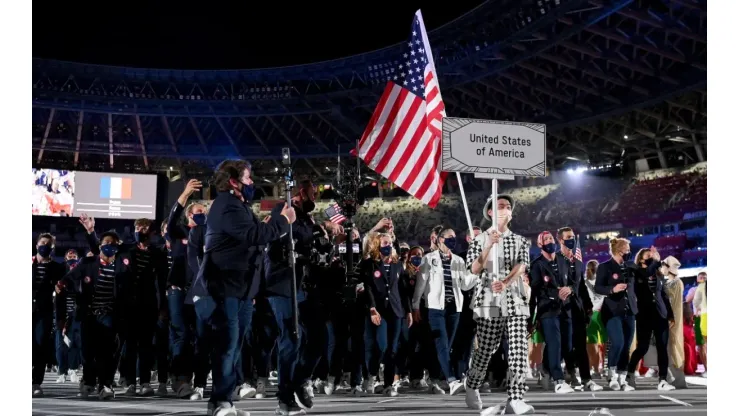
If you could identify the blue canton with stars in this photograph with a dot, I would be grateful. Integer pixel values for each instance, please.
(409, 72)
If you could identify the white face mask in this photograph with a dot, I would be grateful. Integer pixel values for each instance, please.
(504, 216)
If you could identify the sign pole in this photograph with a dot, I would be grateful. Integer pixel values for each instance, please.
(465, 204)
(494, 217)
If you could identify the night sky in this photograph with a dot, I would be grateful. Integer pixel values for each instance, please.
(227, 35)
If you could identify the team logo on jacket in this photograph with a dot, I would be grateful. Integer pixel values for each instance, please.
(87, 279)
(125, 261)
(377, 274)
(547, 279)
(434, 262)
(412, 282)
(185, 241)
(615, 276)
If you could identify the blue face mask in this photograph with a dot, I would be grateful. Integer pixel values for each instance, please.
(248, 192)
(199, 219)
(109, 250)
(72, 262)
(571, 244)
(141, 237)
(549, 248)
(627, 256)
(416, 261)
(44, 250)
(386, 251)
(450, 242)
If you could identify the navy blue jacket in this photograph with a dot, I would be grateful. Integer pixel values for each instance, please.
(608, 275)
(646, 298)
(81, 280)
(383, 293)
(278, 273)
(196, 248)
(546, 284)
(179, 275)
(232, 239)
(43, 291)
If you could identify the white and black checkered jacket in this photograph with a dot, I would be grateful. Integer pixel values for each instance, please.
(513, 300)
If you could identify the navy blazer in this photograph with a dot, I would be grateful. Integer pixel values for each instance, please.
(43, 291)
(608, 275)
(196, 248)
(179, 274)
(233, 230)
(546, 284)
(81, 280)
(658, 298)
(384, 293)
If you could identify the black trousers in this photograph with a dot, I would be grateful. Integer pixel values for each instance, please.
(99, 350)
(579, 354)
(649, 324)
(138, 335)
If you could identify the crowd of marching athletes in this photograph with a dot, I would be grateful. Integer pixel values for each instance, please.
(215, 302)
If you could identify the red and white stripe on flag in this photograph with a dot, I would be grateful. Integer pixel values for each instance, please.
(403, 140)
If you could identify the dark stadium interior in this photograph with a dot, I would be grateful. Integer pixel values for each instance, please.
(172, 91)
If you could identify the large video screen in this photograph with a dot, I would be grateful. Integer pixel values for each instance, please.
(53, 192)
(116, 195)
(63, 193)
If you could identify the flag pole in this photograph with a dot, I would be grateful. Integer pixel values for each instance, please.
(465, 204)
(494, 217)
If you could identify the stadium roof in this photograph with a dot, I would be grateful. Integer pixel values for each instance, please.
(613, 80)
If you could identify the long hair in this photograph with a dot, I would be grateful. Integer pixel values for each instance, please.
(640, 253)
(374, 248)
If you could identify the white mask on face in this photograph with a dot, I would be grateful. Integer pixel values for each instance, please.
(504, 216)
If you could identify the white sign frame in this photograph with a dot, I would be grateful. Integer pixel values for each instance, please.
(450, 164)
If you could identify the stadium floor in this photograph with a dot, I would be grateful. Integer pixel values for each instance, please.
(60, 399)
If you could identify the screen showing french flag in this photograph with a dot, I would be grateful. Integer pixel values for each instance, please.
(112, 187)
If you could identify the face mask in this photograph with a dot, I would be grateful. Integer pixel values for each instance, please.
(549, 248)
(247, 193)
(627, 256)
(44, 250)
(571, 244)
(199, 219)
(451, 243)
(141, 237)
(308, 206)
(109, 250)
(416, 261)
(504, 216)
(72, 262)
(386, 251)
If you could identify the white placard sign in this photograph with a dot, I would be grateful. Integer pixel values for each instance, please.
(489, 147)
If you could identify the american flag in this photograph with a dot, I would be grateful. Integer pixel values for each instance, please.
(578, 254)
(403, 140)
(334, 212)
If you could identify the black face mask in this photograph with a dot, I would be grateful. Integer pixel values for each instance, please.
(141, 237)
(308, 206)
(627, 256)
(248, 192)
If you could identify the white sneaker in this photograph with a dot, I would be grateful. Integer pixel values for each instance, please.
(592, 386)
(357, 391)
(61, 379)
(405, 382)
(519, 407)
(289, 410)
(260, 392)
(329, 386)
(106, 393)
(85, 391)
(664, 386)
(73, 377)
(37, 391)
(197, 394)
(377, 387)
(614, 383)
(472, 399)
(273, 375)
(456, 387)
(561, 387)
(435, 388)
(225, 409)
(391, 391)
(245, 391)
(626, 384)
